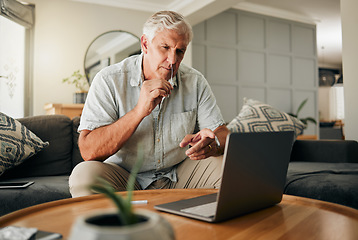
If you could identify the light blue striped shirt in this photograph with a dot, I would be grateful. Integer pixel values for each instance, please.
(191, 106)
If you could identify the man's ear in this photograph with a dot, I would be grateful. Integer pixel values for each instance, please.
(144, 44)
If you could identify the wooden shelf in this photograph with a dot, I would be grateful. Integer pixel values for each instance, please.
(307, 137)
(70, 110)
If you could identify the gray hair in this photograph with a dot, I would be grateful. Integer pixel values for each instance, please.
(167, 20)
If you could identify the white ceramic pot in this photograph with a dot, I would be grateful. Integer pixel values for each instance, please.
(155, 227)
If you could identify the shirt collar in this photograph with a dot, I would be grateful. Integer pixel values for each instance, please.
(138, 77)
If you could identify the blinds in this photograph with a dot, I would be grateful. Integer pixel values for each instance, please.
(18, 12)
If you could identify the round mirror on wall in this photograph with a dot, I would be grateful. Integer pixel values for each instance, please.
(109, 48)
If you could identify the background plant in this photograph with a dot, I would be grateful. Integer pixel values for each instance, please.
(306, 119)
(79, 80)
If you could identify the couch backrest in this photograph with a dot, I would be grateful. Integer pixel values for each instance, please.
(334, 151)
(57, 158)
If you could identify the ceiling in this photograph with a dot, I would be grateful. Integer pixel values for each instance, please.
(324, 13)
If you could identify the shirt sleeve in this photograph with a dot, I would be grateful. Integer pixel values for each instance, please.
(100, 107)
(209, 114)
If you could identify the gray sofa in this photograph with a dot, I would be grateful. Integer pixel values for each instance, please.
(324, 170)
(49, 169)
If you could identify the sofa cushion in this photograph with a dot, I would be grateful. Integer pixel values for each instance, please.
(43, 190)
(17, 143)
(56, 159)
(256, 116)
(332, 182)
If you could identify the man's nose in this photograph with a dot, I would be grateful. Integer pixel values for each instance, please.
(172, 58)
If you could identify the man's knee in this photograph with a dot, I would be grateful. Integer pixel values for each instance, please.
(200, 174)
(214, 172)
(83, 176)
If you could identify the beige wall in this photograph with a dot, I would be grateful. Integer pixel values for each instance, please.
(63, 31)
(350, 65)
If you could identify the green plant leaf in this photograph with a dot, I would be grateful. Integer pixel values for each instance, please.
(132, 177)
(77, 79)
(303, 120)
(124, 205)
(310, 119)
(104, 187)
(293, 115)
(301, 106)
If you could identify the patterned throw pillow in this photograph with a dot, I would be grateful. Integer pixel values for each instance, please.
(17, 143)
(256, 116)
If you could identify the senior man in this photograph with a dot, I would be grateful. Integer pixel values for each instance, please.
(153, 101)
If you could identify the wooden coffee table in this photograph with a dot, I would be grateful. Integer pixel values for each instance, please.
(294, 218)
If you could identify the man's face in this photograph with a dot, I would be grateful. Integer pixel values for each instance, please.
(166, 49)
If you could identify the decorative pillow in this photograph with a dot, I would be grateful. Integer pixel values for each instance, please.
(256, 116)
(17, 143)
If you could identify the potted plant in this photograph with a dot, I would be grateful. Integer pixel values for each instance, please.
(81, 84)
(306, 119)
(125, 223)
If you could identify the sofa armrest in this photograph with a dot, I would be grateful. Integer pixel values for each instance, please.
(333, 151)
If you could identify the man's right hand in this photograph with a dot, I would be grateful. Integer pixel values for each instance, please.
(151, 94)
(105, 141)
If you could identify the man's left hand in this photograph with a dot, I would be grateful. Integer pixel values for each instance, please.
(201, 145)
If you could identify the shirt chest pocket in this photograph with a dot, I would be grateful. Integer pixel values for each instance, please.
(182, 124)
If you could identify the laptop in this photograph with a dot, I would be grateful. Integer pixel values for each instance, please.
(253, 177)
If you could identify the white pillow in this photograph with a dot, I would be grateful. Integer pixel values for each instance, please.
(256, 116)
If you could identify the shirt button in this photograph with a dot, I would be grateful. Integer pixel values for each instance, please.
(158, 140)
(158, 160)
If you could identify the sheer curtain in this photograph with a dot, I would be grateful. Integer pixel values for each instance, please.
(337, 102)
(331, 103)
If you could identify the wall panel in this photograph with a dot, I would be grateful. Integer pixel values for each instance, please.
(251, 31)
(221, 64)
(256, 56)
(279, 36)
(221, 28)
(303, 41)
(258, 93)
(279, 70)
(199, 56)
(248, 74)
(304, 72)
(275, 98)
(229, 104)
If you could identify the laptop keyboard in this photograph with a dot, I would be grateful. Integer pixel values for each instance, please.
(205, 210)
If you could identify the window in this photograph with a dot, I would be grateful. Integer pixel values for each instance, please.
(16, 22)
